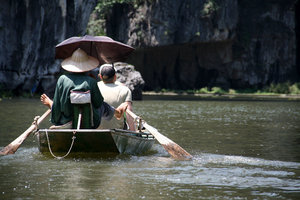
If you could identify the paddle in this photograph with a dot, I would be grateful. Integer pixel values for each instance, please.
(14, 145)
(174, 149)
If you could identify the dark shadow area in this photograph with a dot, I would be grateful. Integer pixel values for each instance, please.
(297, 30)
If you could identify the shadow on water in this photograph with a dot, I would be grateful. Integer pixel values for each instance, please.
(103, 156)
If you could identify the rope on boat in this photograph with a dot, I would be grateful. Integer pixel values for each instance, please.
(60, 157)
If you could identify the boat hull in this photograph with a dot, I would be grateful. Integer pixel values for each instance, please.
(94, 141)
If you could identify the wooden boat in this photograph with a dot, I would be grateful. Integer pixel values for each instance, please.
(94, 141)
(98, 141)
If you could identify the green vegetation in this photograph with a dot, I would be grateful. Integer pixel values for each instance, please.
(96, 25)
(209, 7)
(273, 89)
(283, 88)
(103, 6)
(205, 90)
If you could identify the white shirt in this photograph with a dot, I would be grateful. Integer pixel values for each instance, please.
(114, 94)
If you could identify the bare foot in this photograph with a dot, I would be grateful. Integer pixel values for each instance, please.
(46, 101)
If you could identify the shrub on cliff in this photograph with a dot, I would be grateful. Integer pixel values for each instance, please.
(96, 25)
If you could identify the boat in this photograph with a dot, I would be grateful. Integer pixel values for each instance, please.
(93, 141)
(97, 141)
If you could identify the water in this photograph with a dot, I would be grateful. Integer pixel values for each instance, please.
(241, 149)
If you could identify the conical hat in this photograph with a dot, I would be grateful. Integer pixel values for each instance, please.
(79, 62)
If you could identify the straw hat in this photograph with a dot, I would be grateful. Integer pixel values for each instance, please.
(79, 62)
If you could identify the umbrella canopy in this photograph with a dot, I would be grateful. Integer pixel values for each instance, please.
(105, 49)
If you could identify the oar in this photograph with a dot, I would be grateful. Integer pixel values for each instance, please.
(174, 149)
(14, 145)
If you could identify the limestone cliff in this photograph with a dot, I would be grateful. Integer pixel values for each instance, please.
(180, 44)
(195, 43)
(29, 31)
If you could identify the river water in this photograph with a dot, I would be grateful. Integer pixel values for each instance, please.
(242, 150)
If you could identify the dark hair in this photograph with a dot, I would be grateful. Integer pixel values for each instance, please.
(107, 72)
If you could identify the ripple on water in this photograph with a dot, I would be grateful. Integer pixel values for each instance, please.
(219, 170)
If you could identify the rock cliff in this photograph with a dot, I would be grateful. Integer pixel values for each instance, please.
(29, 31)
(179, 44)
(196, 43)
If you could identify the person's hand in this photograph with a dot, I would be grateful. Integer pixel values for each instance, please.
(120, 110)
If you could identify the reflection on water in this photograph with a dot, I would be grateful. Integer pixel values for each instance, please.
(242, 150)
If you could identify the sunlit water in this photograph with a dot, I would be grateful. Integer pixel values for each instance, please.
(241, 149)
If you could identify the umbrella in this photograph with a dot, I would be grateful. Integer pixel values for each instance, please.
(105, 49)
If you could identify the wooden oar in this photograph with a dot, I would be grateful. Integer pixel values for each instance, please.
(172, 148)
(14, 145)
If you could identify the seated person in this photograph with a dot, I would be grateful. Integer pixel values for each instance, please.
(115, 94)
(76, 79)
(106, 111)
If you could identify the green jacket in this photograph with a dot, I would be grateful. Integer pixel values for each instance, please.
(62, 109)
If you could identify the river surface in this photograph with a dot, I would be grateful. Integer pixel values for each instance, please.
(241, 150)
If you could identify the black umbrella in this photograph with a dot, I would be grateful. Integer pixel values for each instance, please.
(105, 49)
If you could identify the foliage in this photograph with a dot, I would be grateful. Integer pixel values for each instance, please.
(232, 91)
(295, 88)
(218, 90)
(204, 90)
(283, 88)
(96, 25)
(209, 7)
(280, 88)
(103, 6)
